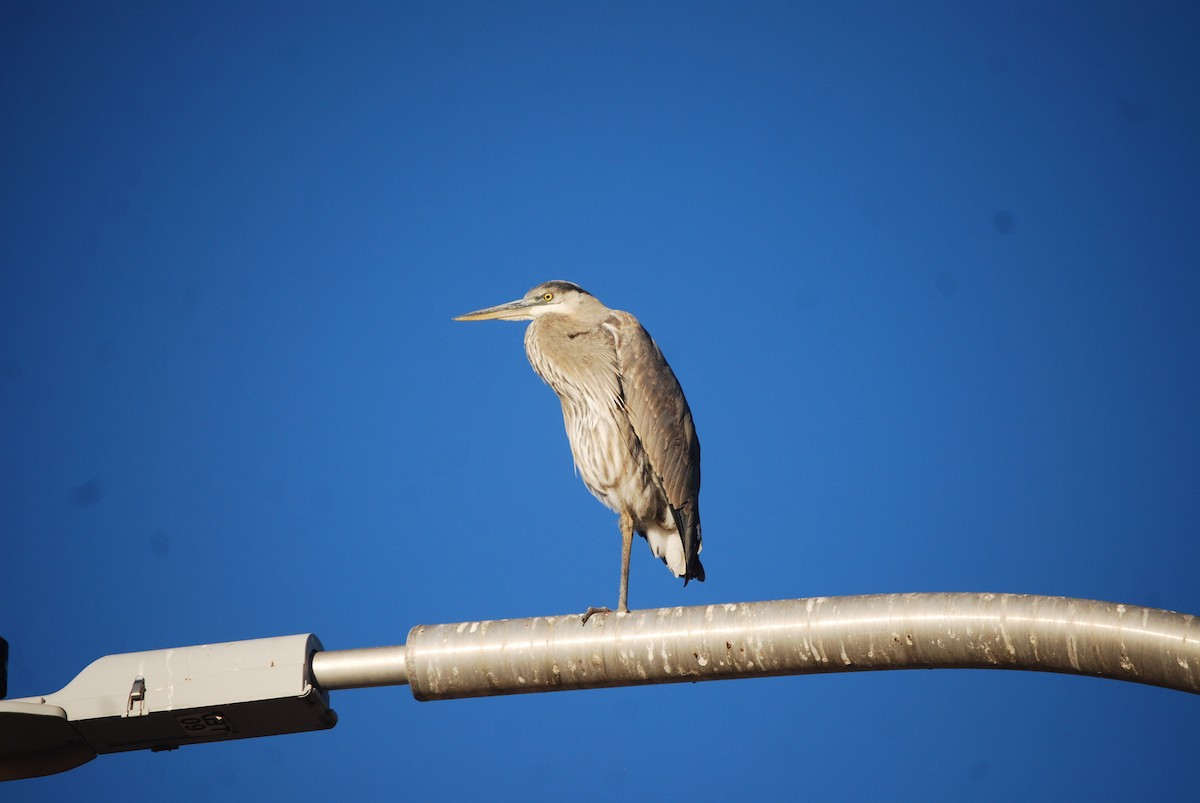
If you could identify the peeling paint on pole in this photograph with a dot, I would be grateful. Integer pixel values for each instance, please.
(805, 636)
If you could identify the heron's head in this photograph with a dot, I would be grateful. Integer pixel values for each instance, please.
(556, 297)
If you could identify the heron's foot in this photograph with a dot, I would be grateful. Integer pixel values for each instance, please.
(591, 611)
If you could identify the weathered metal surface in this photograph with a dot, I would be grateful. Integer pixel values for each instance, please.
(805, 636)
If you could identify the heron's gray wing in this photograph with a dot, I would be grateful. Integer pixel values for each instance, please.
(662, 421)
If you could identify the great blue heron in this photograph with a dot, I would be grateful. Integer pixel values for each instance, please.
(630, 428)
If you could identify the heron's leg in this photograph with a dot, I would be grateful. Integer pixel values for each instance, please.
(626, 546)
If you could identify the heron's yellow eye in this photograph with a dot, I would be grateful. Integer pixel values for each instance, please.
(547, 296)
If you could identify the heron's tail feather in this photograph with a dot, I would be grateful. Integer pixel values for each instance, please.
(668, 546)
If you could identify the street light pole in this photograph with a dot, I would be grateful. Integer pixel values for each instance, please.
(162, 699)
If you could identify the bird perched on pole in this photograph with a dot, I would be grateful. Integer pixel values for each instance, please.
(630, 427)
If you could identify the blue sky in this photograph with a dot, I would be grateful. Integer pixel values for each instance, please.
(927, 272)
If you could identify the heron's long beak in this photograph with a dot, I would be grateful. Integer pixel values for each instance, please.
(512, 311)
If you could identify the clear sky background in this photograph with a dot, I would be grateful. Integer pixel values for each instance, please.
(928, 273)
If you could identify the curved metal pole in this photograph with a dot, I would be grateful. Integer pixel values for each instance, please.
(787, 637)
